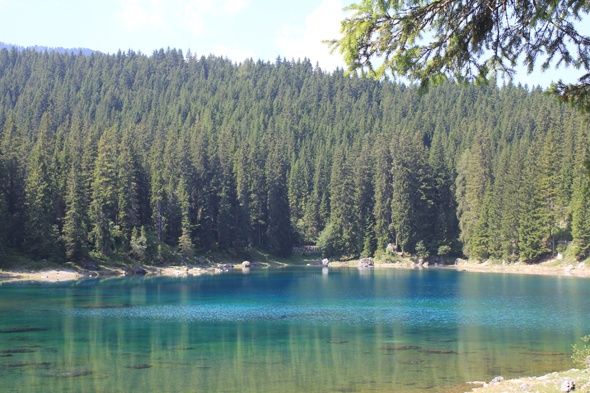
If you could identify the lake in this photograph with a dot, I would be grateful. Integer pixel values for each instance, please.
(287, 330)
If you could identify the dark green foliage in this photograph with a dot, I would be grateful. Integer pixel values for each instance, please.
(469, 40)
(421, 250)
(143, 156)
(532, 218)
(40, 232)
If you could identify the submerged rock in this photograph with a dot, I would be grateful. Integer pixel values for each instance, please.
(66, 373)
(139, 366)
(105, 305)
(20, 329)
(442, 340)
(411, 361)
(18, 350)
(26, 364)
(540, 353)
(438, 351)
(400, 347)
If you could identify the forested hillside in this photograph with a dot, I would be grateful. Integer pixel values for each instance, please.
(125, 153)
(38, 48)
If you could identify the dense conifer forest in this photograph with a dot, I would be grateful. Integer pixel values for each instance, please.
(131, 154)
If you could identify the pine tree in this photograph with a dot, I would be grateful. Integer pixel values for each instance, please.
(383, 194)
(279, 233)
(103, 208)
(128, 209)
(581, 201)
(479, 243)
(531, 230)
(185, 243)
(74, 230)
(41, 239)
(13, 182)
(401, 194)
(474, 177)
(444, 205)
(363, 225)
(511, 207)
(342, 217)
(549, 181)
(581, 220)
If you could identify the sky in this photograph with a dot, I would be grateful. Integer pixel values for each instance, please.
(237, 29)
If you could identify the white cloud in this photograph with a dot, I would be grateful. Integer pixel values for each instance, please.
(138, 14)
(234, 54)
(234, 5)
(161, 14)
(192, 18)
(321, 24)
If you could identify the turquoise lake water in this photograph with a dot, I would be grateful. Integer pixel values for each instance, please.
(288, 330)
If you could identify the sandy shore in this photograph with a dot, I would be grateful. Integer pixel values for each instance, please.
(545, 268)
(45, 275)
(554, 382)
(65, 274)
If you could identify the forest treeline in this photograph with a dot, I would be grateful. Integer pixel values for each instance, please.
(128, 153)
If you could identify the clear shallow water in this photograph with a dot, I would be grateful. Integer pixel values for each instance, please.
(289, 330)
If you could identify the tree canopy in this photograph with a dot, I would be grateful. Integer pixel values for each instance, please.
(429, 41)
(150, 157)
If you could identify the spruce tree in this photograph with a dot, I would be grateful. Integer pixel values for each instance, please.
(531, 230)
(41, 239)
(185, 242)
(74, 229)
(383, 194)
(128, 209)
(13, 183)
(402, 213)
(279, 231)
(342, 217)
(103, 208)
(549, 183)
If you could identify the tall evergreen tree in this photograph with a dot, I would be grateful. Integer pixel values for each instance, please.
(13, 183)
(103, 208)
(549, 184)
(41, 235)
(74, 229)
(342, 217)
(185, 243)
(531, 230)
(279, 231)
(383, 194)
